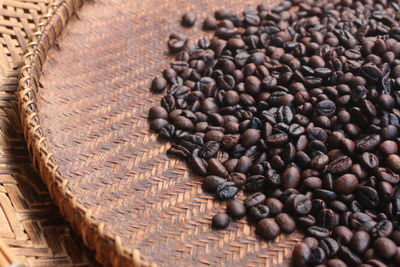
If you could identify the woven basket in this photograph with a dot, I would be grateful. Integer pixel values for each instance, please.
(85, 124)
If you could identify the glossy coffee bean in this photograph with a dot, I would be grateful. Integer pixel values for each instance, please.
(221, 220)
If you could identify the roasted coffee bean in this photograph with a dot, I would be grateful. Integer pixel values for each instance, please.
(385, 247)
(179, 151)
(330, 246)
(301, 254)
(367, 197)
(382, 229)
(199, 165)
(277, 140)
(340, 165)
(274, 205)
(221, 220)
(235, 208)
(254, 200)
(285, 222)
(370, 161)
(388, 176)
(359, 242)
(317, 232)
(342, 234)
(290, 177)
(267, 228)
(188, 19)
(336, 263)
(215, 167)
(317, 256)
(345, 184)
(301, 205)
(226, 190)
(327, 218)
(239, 179)
(158, 84)
(259, 212)
(212, 182)
(348, 256)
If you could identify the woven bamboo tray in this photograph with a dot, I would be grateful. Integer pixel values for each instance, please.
(84, 106)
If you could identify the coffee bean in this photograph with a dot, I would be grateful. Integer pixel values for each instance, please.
(199, 165)
(277, 140)
(215, 167)
(327, 218)
(274, 205)
(188, 19)
(330, 246)
(285, 222)
(345, 184)
(210, 23)
(317, 256)
(370, 161)
(212, 182)
(342, 234)
(317, 232)
(259, 212)
(348, 256)
(387, 175)
(367, 197)
(290, 177)
(301, 254)
(239, 179)
(221, 220)
(368, 143)
(301, 205)
(226, 190)
(267, 228)
(336, 263)
(385, 247)
(340, 165)
(382, 229)
(235, 208)
(359, 242)
(254, 200)
(393, 162)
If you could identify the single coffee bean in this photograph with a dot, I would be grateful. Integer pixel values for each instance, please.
(342, 234)
(235, 208)
(348, 256)
(345, 184)
(385, 247)
(330, 246)
(254, 200)
(290, 177)
(274, 205)
(267, 228)
(340, 165)
(188, 19)
(317, 232)
(226, 190)
(259, 212)
(336, 263)
(317, 256)
(285, 222)
(359, 242)
(301, 254)
(221, 220)
(393, 162)
(215, 167)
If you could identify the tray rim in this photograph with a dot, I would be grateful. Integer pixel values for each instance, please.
(108, 247)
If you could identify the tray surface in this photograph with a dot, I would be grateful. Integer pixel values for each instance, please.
(92, 108)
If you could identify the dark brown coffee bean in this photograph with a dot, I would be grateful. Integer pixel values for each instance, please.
(385, 247)
(327, 218)
(277, 140)
(301, 254)
(210, 23)
(301, 205)
(370, 161)
(345, 184)
(235, 208)
(221, 220)
(239, 179)
(285, 222)
(267, 228)
(254, 200)
(368, 143)
(388, 147)
(330, 246)
(250, 137)
(157, 124)
(226, 190)
(317, 232)
(274, 205)
(387, 175)
(199, 165)
(188, 19)
(382, 229)
(342, 234)
(312, 182)
(393, 162)
(215, 167)
(340, 165)
(211, 183)
(259, 212)
(317, 256)
(290, 177)
(348, 256)
(359, 242)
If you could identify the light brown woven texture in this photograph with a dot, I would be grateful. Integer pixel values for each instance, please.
(85, 123)
(32, 230)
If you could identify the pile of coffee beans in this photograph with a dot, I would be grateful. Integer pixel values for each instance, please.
(298, 106)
